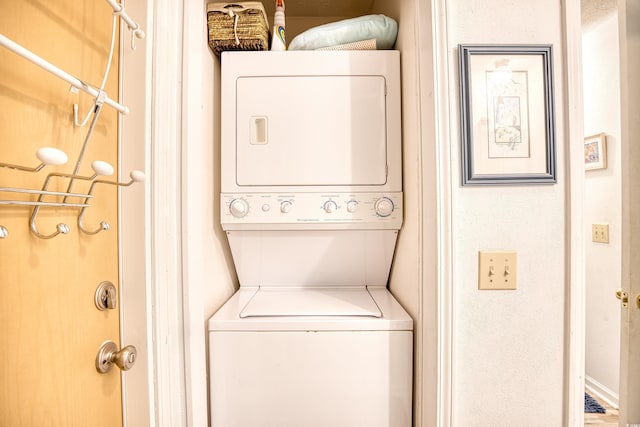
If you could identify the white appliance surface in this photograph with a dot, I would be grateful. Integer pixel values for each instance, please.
(312, 258)
(306, 121)
(298, 378)
(392, 316)
(339, 140)
(307, 211)
(343, 301)
(312, 371)
(311, 201)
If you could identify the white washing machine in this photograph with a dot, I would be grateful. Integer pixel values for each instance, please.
(311, 202)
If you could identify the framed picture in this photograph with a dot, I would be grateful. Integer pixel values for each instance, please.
(507, 114)
(595, 152)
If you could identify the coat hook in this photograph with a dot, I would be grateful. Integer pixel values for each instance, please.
(98, 101)
(136, 31)
(61, 228)
(46, 155)
(99, 168)
(86, 118)
(136, 176)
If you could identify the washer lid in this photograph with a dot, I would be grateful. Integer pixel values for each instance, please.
(321, 301)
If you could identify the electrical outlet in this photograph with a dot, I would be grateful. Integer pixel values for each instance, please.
(600, 233)
(497, 270)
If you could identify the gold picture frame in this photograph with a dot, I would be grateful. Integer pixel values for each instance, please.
(595, 152)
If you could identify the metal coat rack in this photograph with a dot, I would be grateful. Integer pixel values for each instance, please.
(49, 156)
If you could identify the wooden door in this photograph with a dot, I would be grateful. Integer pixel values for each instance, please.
(51, 329)
(629, 22)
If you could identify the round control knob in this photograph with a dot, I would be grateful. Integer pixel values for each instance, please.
(383, 206)
(285, 207)
(239, 208)
(330, 206)
(352, 205)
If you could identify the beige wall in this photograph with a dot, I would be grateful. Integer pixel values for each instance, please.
(508, 346)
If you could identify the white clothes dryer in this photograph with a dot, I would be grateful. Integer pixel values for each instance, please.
(311, 203)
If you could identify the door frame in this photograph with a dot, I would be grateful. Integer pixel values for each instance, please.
(629, 29)
(153, 314)
(163, 309)
(134, 236)
(575, 294)
(176, 382)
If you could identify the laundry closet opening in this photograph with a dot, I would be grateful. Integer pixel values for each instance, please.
(213, 266)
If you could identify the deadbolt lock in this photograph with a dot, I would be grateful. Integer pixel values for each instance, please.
(106, 296)
(108, 355)
(623, 296)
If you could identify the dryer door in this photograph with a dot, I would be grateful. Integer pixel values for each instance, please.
(311, 130)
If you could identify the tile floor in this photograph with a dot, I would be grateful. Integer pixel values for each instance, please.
(609, 419)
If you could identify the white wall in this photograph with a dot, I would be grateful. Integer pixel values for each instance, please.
(508, 346)
(602, 204)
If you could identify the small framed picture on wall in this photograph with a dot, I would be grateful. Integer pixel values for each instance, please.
(595, 152)
(507, 114)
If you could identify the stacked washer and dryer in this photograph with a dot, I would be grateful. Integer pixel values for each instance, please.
(311, 202)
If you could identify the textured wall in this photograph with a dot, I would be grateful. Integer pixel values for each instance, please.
(508, 345)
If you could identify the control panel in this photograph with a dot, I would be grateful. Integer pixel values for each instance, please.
(340, 210)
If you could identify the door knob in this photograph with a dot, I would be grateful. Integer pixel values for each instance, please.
(623, 296)
(108, 355)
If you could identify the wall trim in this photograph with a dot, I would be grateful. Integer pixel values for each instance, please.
(192, 141)
(444, 215)
(575, 304)
(601, 391)
(422, 392)
(167, 316)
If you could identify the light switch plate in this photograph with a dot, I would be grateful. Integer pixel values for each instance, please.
(600, 233)
(497, 270)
